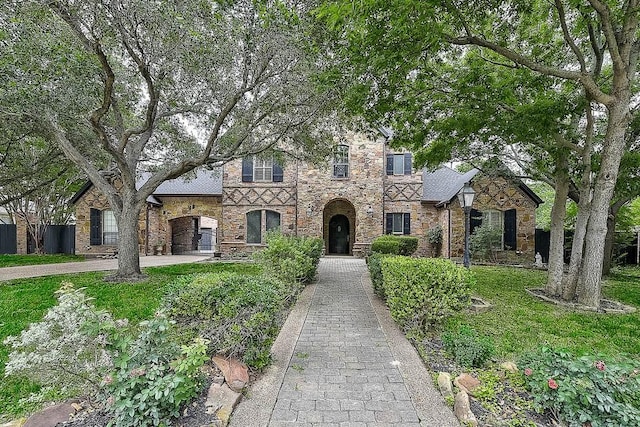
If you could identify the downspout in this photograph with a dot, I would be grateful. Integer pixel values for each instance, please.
(146, 232)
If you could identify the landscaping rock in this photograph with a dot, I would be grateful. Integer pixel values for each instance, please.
(236, 373)
(51, 416)
(467, 383)
(509, 367)
(462, 410)
(220, 401)
(14, 423)
(444, 383)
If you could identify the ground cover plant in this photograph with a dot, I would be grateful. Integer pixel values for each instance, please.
(25, 301)
(560, 352)
(35, 259)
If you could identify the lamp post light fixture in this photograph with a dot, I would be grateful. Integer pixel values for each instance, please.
(465, 197)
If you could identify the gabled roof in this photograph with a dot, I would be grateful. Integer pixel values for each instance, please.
(442, 185)
(205, 183)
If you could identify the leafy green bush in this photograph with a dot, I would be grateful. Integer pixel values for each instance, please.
(434, 237)
(584, 390)
(66, 340)
(374, 263)
(290, 258)
(422, 292)
(386, 245)
(485, 243)
(238, 315)
(396, 245)
(468, 348)
(153, 377)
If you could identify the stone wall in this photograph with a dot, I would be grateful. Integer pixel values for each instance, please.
(92, 198)
(500, 194)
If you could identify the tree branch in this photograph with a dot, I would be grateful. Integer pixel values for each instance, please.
(568, 38)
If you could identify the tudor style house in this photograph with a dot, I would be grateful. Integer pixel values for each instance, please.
(365, 190)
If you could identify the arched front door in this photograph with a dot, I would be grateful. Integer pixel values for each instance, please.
(339, 235)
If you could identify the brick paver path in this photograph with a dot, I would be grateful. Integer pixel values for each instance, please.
(342, 372)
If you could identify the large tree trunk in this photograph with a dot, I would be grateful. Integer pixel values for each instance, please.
(558, 213)
(577, 248)
(618, 118)
(128, 252)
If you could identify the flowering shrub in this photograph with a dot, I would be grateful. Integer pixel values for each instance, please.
(65, 349)
(584, 391)
(153, 377)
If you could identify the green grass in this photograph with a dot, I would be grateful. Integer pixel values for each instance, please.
(26, 300)
(19, 260)
(519, 323)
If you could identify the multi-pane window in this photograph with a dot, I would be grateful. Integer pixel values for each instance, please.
(503, 221)
(399, 164)
(109, 228)
(263, 170)
(398, 223)
(255, 220)
(341, 161)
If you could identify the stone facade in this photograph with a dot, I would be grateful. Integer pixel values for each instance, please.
(347, 204)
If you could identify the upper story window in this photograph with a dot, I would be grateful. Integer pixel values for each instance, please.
(261, 170)
(399, 164)
(341, 161)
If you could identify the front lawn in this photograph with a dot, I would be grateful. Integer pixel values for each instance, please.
(33, 259)
(519, 323)
(26, 300)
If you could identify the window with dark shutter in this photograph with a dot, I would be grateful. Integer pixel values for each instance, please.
(510, 235)
(95, 227)
(476, 220)
(406, 228)
(389, 224)
(389, 164)
(407, 163)
(254, 227)
(278, 173)
(247, 169)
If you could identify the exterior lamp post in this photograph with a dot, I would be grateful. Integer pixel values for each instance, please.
(465, 197)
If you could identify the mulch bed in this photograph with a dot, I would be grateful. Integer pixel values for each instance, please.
(504, 410)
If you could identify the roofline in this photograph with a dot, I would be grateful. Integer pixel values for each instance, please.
(87, 185)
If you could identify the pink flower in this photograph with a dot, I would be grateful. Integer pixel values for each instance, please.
(528, 371)
(108, 379)
(552, 384)
(600, 365)
(137, 372)
(110, 400)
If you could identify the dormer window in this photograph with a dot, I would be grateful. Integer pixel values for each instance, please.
(341, 161)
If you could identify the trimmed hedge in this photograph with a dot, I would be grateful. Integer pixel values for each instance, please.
(290, 258)
(422, 292)
(239, 315)
(396, 245)
(374, 263)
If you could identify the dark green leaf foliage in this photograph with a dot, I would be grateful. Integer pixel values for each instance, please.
(153, 377)
(374, 263)
(422, 292)
(291, 258)
(239, 315)
(485, 242)
(397, 245)
(468, 347)
(585, 390)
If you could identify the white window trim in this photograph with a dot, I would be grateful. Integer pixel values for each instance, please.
(395, 159)
(343, 151)
(110, 226)
(263, 170)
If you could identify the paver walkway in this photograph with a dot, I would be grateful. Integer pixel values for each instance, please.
(12, 273)
(345, 369)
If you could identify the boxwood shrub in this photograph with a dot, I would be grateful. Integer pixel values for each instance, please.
(291, 258)
(239, 315)
(422, 292)
(397, 245)
(374, 263)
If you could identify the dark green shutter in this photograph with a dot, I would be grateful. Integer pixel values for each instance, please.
(510, 236)
(476, 220)
(389, 164)
(278, 174)
(407, 163)
(389, 224)
(247, 169)
(95, 227)
(407, 224)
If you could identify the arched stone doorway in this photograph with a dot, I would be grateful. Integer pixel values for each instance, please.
(339, 222)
